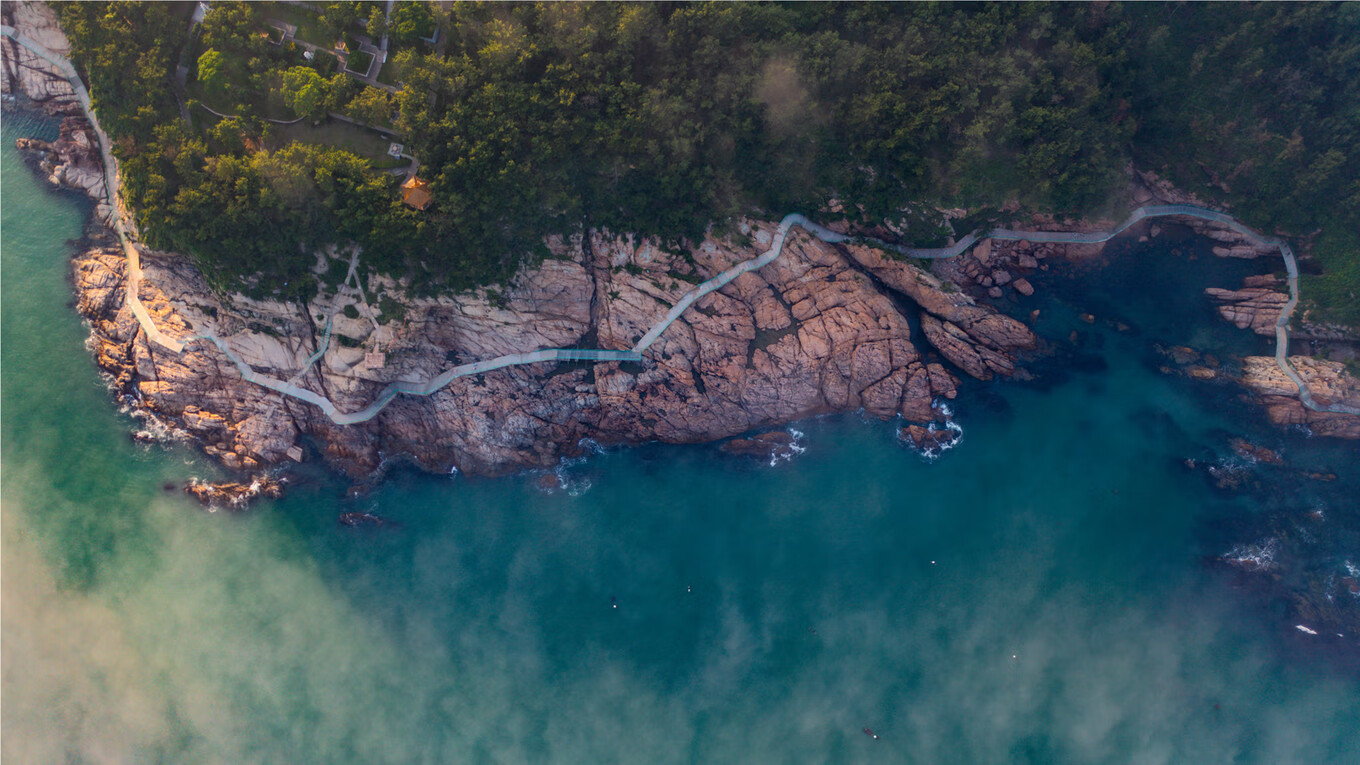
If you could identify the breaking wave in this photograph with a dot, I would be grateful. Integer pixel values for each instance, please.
(942, 436)
(1259, 556)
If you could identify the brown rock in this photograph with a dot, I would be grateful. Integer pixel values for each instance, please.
(941, 382)
(1184, 355)
(1247, 450)
(1257, 308)
(234, 495)
(918, 394)
(982, 252)
(1023, 286)
(994, 292)
(1328, 382)
(774, 444)
(955, 345)
(924, 438)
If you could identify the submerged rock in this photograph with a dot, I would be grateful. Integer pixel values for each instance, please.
(776, 444)
(362, 519)
(1247, 450)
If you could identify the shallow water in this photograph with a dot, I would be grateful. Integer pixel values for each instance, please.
(1037, 594)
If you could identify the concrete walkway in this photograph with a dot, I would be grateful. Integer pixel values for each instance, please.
(427, 387)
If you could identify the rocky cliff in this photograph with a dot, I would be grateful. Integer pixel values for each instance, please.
(1327, 381)
(22, 72)
(823, 328)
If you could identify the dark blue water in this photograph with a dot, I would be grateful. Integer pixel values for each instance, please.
(1041, 593)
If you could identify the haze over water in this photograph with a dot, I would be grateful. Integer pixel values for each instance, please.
(1037, 594)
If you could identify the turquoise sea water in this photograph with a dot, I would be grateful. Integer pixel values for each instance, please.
(1038, 594)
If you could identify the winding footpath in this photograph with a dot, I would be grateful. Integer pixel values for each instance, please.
(416, 388)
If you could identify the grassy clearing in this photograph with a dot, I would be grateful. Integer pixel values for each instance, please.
(309, 27)
(1334, 295)
(270, 102)
(324, 63)
(361, 141)
(359, 62)
(391, 72)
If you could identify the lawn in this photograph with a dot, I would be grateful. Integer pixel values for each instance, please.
(359, 62)
(270, 103)
(309, 28)
(1334, 295)
(391, 73)
(323, 62)
(361, 141)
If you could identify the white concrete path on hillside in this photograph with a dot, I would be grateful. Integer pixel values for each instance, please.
(425, 388)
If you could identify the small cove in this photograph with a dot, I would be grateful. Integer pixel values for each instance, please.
(1038, 594)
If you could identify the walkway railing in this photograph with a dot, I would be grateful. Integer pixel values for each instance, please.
(417, 388)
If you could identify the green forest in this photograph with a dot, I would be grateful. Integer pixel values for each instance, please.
(664, 119)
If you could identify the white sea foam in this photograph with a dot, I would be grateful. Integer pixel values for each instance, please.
(795, 448)
(941, 445)
(1254, 557)
(154, 429)
(592, 446)
(565, 478)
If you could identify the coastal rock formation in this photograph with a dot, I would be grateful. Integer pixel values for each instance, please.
(24, 73)
(776, 444)
(1328, 382)
(231, 494)
(823, 328)
(817, 330)
(73, 159)
(973, 336)
(1256, 306)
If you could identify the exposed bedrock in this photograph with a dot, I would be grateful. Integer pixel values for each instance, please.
(817, 330)
(1257, 306)
(24, 73)
(1327, 381)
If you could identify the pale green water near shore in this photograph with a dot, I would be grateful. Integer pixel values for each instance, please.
(1036, 595)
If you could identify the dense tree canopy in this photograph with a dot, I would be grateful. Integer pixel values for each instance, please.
(412, 21)
(665, 118)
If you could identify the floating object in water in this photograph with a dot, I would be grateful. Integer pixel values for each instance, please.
(613, 601)
(870, 733)
(1304, 629)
